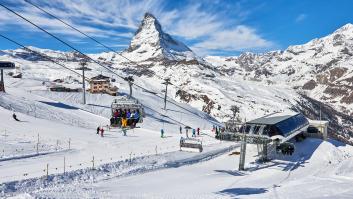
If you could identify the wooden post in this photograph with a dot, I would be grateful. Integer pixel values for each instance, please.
(47, 171)
(64, 164)
(130, 158)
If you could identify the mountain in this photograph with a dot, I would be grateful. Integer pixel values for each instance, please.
(321, 68)
(151, 44)
(309, 78)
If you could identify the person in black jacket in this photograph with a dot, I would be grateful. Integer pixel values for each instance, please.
(15, 117)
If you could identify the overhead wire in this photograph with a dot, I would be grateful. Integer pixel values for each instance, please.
(98, 63)
(86, 35)
(41, 55)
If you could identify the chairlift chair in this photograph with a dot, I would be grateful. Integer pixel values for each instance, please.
(125, 103)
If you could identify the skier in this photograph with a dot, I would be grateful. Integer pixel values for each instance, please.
(198, 130)
(98, 129)
(193, 133)
(124, 122)
(187, 133)
(162, 133)
(15, 117)
(102, 132)
(180, 130)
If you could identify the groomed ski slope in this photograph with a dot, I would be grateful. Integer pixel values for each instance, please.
(67, 129)
(318, 169)
(141, 164)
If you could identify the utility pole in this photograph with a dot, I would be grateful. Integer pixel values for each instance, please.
(2, 85)
(83, 68)
(166, 82)
(242, 150)
(130, 80)
(5, 65)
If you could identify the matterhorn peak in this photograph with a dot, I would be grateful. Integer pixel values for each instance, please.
(152, 43)
(150, 23)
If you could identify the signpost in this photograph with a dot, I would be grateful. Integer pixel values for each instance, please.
(4, 65)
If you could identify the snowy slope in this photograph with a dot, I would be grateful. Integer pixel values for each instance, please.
(317, 170)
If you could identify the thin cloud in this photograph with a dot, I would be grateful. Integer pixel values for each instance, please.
(206, 28)
(301, 18)
(241, 38)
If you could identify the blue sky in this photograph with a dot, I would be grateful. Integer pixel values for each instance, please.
(209, 27)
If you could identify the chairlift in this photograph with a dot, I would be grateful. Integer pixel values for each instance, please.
(190, 144)
(120, 106)
(286, 148)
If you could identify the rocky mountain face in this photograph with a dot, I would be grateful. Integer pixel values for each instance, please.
(151, 44)
(311, 77)
(321, 68)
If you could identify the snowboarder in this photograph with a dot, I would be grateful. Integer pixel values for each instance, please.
(15, 117)
(102, 132)
(181, 130)
(193, 133)
(198, 130)
(162, 133)
(98, 129)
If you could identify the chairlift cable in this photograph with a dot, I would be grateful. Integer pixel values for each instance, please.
(75, 49)
(41, 55)
(95, 40)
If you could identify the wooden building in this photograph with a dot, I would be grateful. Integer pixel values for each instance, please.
(101, 84)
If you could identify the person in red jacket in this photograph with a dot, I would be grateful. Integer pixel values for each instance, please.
(198, 131)
(102, 132)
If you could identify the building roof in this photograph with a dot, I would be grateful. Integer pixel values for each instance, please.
(273, 118)
(100, 77)
(6, 65)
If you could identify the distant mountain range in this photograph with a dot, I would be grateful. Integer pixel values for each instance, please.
(308, 78)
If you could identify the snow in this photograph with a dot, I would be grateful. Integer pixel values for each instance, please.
(143, 165)
(55, 126)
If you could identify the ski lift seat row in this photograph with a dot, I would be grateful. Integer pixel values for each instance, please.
(124, 103)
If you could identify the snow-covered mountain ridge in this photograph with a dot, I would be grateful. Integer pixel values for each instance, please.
(321, 68)
(302, 77)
